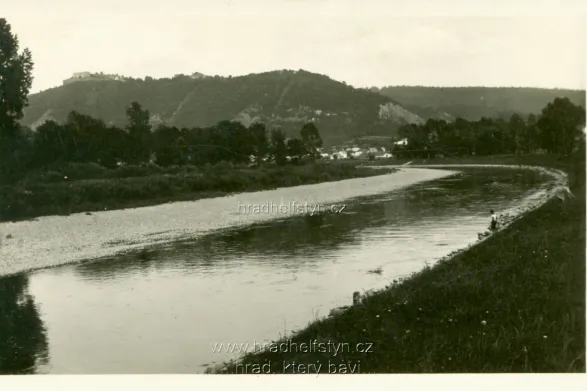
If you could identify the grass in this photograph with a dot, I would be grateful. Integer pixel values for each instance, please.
(514, 303)
(74, 189)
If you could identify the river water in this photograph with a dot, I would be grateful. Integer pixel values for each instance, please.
(166, 310)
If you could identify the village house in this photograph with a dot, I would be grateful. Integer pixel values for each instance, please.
(339, 155)
(384, 156)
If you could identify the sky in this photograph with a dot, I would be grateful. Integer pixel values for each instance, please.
(364, 43)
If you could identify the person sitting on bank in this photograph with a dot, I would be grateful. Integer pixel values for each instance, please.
(493, 225)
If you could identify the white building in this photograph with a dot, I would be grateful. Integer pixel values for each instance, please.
(339, 155)
(81, 75)
(384, 156)
(402, 142)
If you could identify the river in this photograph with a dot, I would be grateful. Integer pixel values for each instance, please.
(167, 309)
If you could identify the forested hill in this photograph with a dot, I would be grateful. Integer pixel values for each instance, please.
(285, 99)
(472, 103)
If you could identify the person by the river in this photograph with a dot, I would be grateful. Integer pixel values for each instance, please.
(493, 224)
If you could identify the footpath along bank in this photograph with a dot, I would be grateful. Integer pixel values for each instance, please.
(513, 302)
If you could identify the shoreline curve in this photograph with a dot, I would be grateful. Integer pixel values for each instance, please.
(560, 179)
(76, 238)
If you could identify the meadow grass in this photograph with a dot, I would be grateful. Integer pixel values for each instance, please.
(514, 303)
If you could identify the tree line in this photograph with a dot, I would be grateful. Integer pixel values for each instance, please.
(82, 138)
(558, 129)
(474, 103)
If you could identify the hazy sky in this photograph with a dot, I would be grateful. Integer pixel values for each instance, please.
(365, 43)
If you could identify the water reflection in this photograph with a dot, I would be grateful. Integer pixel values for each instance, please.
(23, 343)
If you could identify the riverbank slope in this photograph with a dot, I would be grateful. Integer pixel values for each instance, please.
(514, 303)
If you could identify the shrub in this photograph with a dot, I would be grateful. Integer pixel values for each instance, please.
(82, 171)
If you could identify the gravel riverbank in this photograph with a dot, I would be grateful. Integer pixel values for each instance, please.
(55, 240)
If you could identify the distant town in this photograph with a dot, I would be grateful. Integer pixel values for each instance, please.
(356, 152)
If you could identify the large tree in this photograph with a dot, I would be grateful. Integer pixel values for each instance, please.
(296, 149)
(532, 134)
(517, 134)
(278, 147)
(15, 82)
(311, 139)
(139, 132)
(259, 141)
(560, 125)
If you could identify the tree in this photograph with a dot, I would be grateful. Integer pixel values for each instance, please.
(113, 140)
(296, 149)
(517, 133)
(258, 135)
(88, 137)
(311, 139)
(139, 132)
(560, 126)
(51, 143)
(233, 141)
(138, 119)
(532, 134)
(15, 82)
(277, 147)
(166, 144)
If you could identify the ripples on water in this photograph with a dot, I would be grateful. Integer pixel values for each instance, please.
(159, 313)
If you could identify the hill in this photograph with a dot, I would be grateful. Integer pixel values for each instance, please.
(473, 103)
(285, 99)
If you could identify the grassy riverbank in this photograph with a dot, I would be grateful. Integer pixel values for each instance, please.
(88, 187)
(514, 303)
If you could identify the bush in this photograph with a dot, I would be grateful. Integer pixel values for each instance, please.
(52, 176)
(223, 166)
(128, 171)
(82, 170)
